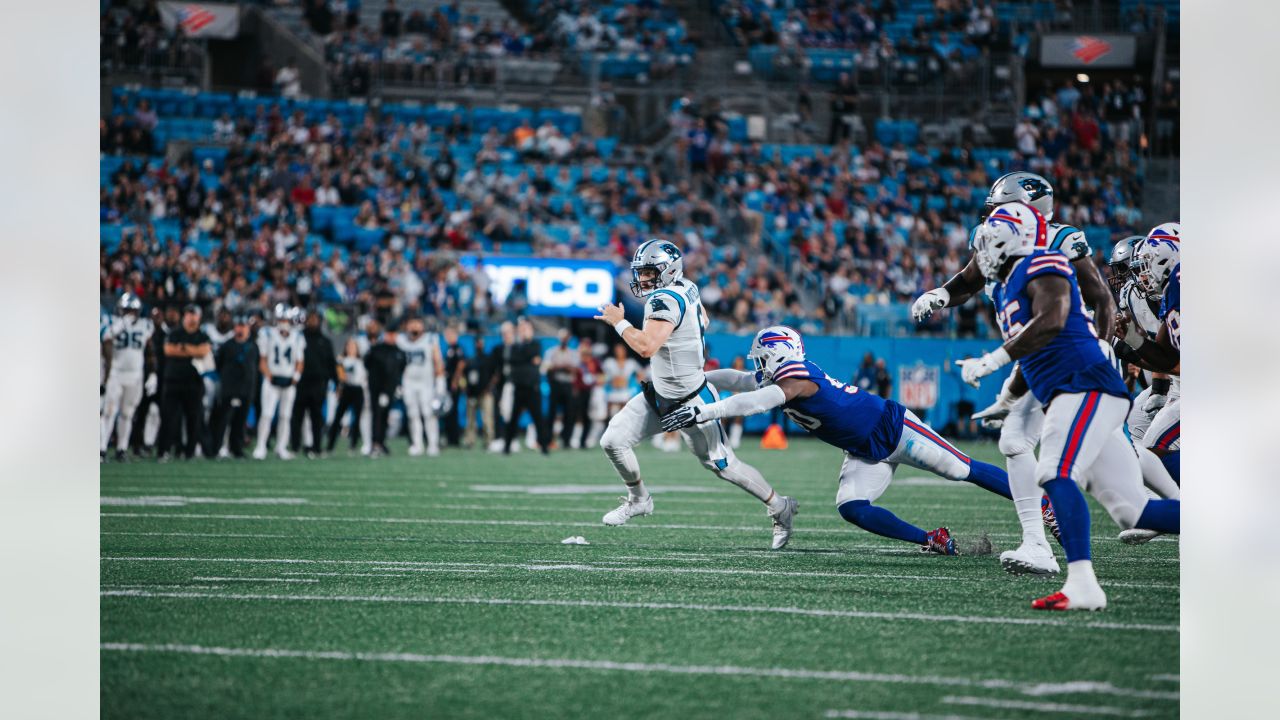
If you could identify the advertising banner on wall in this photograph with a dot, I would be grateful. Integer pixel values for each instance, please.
(1088, 51)
(552, 286)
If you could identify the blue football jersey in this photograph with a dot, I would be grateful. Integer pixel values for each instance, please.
(852, 419)
(1073, 361)
(1171, 306)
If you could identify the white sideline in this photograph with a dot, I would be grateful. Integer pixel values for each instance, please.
(184, 500)
(605, 665)
(881, 715)
(1045, 707)
(689, 607)
(1167, 678)
(557, 565)
(255, 579)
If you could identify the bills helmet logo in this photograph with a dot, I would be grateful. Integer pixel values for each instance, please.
(777, 341)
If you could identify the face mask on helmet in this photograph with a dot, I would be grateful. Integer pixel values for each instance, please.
(644, 280)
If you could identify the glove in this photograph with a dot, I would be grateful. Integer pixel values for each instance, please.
(992, 417)
(681, 417)
(441, 404)
(1154, 403)
(150, 385)
(972, 370)
(924, 305)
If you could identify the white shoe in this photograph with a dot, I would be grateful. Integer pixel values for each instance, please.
(782, 522)
(1073, 597)
(284, 455)
(433, 452)
(224, 454)
(366, 450)
(1136, 536)
(1029, 559)
(260, 452)
(629, 509)
(415, 450)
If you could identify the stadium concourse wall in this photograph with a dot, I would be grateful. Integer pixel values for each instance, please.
(840, 357)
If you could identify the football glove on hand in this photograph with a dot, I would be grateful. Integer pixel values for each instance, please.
(1154, 403)
(924, 305)
(681, 417)
(992, 417)
(150, 385)
(972, 370)
(441, 404)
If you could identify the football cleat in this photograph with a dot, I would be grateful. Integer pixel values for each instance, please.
(1029, 559)
(1050, 520)
(629, 509)
(121, 456)
(782, 522)
(415, 450)
(260, 452)
(939, 541)
(1138, 536)
(433, 452)
(284, 454)
(1088, 599)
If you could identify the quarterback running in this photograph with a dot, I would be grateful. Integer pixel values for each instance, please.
(672, 338)
(876, 434)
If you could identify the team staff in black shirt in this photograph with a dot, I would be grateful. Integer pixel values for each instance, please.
(183, 393)
(237, 361)
(523, 359)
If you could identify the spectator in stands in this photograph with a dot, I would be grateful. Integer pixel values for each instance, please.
(390, 20)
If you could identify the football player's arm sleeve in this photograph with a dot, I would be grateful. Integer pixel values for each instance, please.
(735, 381)
(747, 403)
(1050, 295)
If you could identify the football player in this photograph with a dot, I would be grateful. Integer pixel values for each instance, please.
(1021, 416)
(424, 385)
(125, 344)
(1157, 272)
(672, 337)
(1136, 309)
(876, 434)
(280, 348)
(1042, 318)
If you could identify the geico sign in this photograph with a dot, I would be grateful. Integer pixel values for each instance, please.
(554, 287)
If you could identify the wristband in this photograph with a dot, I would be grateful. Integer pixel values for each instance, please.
(999, 357)
(944, 295)
(621, 326)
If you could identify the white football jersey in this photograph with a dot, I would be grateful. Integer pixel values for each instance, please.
(420, 361)
(676, 369)
(129, 338)
(216, 337)
(283, 352)
(1135, 306)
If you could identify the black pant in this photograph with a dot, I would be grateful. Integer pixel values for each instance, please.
(232, 412)
(137, 438)
(309, 400)
(452, 430)
(561, 407)
(526, 397)
(380, 413)
(581, 413)
(181, 401)
(351, 398)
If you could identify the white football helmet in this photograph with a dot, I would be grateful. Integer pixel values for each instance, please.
(129, 303)
(1011, 230)
(773, 347)
(1025, 187)
(1156, 257)
(661, 257)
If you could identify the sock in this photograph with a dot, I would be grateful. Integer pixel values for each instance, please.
(1171, 462)
(989, 477)
(637, 491)
(775, 502)
(881, 522)
(1073, 517)
(1080, 572)
(1026, 496)
(1162, 515)
(748, 478)
(1155, 476)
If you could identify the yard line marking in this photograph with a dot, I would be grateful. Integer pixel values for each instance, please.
(876, 715)
(1045, 707)
(690, 607)
(1166, 678)
(558, 565)
(184, 500)
(255, 579)
(199, 534)
(162, 587)
(604, 665)
(406, 573)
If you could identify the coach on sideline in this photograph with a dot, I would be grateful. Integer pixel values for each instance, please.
(319, 368)
(183, 394)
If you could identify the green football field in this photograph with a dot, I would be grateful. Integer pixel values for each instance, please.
(439, 587)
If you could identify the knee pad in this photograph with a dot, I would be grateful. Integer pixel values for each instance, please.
(852, 510)
(1016, 443)
(609, 442)
(1121, 509)
(935, 459)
